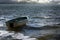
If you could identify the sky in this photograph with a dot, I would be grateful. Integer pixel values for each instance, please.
(40, 1)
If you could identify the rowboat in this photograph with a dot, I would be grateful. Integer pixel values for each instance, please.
(16, 23)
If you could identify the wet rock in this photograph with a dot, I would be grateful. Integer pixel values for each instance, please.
(5, 33)
(30, 39)
(18, 36)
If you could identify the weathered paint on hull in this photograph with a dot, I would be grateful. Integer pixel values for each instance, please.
(16, 24)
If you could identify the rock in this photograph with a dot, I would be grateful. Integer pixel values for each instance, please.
(25, 37)
(18, 36)
(30, 39)
(5, 33)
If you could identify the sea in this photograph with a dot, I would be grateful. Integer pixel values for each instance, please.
(42, 14)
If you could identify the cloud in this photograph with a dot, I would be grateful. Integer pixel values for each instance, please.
(16, 1)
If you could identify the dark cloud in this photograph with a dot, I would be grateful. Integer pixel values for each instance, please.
(6, 1)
